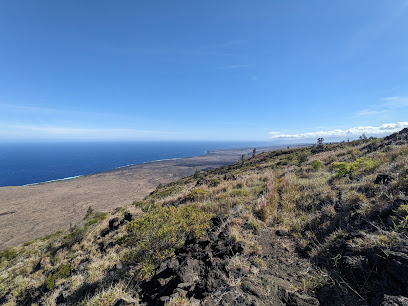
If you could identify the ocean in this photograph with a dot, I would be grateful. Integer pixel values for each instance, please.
(23, 163)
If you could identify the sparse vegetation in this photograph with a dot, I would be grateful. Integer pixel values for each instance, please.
(302, 157)
(339, 211)
(158, 233)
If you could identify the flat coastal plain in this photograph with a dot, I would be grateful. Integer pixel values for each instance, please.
(30, 212)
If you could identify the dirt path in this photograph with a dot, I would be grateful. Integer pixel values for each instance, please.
(281, 258)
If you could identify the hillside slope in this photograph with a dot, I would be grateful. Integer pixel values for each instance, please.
(30, 212)
(317, 225)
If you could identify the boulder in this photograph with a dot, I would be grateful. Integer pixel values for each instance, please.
(230, 177)
(126, 300)
(383, 179)
(128, 217)
(105, 244)
(251, 289)
(114, 224)
(61, 299)
(392, 300)
(105, 232)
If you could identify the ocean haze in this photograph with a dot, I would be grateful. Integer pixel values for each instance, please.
(24, 163)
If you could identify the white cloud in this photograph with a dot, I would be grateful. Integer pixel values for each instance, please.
(383, 129)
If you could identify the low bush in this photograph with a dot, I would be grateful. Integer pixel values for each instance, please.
(316, 164)
(163, 193)
(94, 218)
(302, 157)
(63, 271)
(8, 254)
(214, 182)
(196, 194)
(361, 164)
(158, 233)
(343, 168)
(238, 193)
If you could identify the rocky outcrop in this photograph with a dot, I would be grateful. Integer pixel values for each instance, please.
(199, 272)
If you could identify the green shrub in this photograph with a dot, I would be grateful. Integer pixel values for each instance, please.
(343, 168)
(139, 203)
(63, 271)
(302, 157)
(50, 281)
(402, 213)
(402, 210)
(145, 205)
(214, 182)
(316, 164)
(282, 163)
(365, 163)
(196, 194)
(75, 235)
(158, 233)
(251, 224)
(238, 193)
(146, 269)
(94, 217)
(160, 193)
(8, 254)
(361, 164)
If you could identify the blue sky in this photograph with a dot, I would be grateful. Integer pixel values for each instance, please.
(208, 70)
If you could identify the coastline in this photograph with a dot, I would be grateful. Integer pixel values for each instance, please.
(209, 152)
(51, 181)
(32, 211)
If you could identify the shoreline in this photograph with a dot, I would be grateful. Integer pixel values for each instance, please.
(208, 152)
(33, 211)
(83, 175)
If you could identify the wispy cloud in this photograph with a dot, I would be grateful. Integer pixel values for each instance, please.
(20, 109)
(371, 112)
(224, 48)
(27, 108)
(63, 132)
(383, 129)
(232, 67)
(396, 102)
(388, 105)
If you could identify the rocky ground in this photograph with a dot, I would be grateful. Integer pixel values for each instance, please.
(215, 271)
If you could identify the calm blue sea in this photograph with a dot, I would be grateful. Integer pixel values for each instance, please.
(28, 163)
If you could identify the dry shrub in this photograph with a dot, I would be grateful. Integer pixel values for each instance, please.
(267, 204)
(290, 194)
